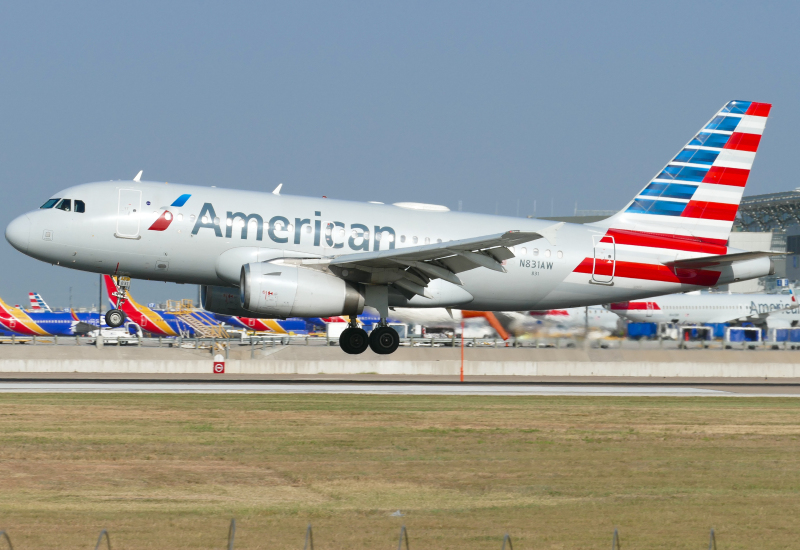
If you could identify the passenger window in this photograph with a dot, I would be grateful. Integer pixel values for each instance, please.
(65, 205)
(50, 204)
(80, 207)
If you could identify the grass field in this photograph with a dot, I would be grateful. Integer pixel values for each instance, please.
(169, 471)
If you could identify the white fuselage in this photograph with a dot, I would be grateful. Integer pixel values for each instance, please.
(593, 317)
(191, 234)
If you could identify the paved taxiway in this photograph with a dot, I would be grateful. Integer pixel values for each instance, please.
(242, 387)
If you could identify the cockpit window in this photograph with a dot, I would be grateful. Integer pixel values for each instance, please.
(50, 203)
(80, 207)
(65, 205)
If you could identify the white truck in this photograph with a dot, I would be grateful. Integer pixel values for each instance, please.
(121, 336)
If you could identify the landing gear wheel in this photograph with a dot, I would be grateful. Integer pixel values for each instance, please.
(354, 341)
(115, 318)
(384, 340)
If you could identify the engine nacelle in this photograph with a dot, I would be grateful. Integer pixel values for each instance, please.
(277, 290)
(224, 300)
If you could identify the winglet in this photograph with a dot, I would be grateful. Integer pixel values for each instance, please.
(138, 177)
(278, 189)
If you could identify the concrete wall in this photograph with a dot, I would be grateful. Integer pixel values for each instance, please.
(432, 368)
(434, 362)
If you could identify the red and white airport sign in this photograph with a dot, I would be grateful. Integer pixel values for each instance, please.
(219, 364)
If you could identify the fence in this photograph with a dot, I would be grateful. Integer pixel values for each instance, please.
(264, 342)
(309, 539)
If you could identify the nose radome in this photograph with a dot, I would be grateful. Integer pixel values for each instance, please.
(18, 233)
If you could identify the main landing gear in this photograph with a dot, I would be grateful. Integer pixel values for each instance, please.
(383, 340)
(116, 317)
(354, 340)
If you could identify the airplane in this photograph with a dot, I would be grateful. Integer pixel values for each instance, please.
(16, 321)
(774, 310)
(37, 303)
(293, 256)
(277, 326)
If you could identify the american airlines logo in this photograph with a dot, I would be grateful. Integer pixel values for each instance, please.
(282, 230)
(166, 217)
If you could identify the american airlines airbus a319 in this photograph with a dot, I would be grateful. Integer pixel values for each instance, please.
(315, 257)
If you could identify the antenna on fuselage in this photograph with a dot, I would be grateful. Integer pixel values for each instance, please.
(278, 189)
(138, 177)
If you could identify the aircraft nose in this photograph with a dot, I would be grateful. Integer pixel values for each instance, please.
(18, 233)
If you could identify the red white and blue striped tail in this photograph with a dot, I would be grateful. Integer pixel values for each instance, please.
(697, 194)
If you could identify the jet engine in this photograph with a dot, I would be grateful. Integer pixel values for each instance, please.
(278, 290)
(222, 299)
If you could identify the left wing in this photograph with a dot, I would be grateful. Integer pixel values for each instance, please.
(410, 269)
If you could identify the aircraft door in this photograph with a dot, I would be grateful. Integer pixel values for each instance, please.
(649, 309)
(604, 260)
(129, 209)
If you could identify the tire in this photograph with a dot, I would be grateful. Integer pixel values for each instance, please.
(115, 318)
(384, 340)
(354, 341)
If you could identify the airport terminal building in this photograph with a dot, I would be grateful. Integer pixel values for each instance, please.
(770, 222)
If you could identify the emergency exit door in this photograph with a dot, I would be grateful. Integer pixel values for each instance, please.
(604, 263)
(128, 213)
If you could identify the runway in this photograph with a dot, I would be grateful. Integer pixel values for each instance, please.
(189, 387)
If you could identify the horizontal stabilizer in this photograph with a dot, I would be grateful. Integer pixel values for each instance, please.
(723, 259)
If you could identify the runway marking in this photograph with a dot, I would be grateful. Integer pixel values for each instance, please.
(375, 389)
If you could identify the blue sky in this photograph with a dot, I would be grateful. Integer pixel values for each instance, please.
(488, 103)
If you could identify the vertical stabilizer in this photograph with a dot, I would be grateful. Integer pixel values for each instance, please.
(697, 194)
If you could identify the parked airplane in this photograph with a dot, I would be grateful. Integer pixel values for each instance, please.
(14, 320)
(37, 303)
(595, 317)
(774, 310)
(310, 257)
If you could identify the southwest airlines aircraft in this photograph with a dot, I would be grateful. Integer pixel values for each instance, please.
(317, 257)
(777, 310)
(15, 320)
